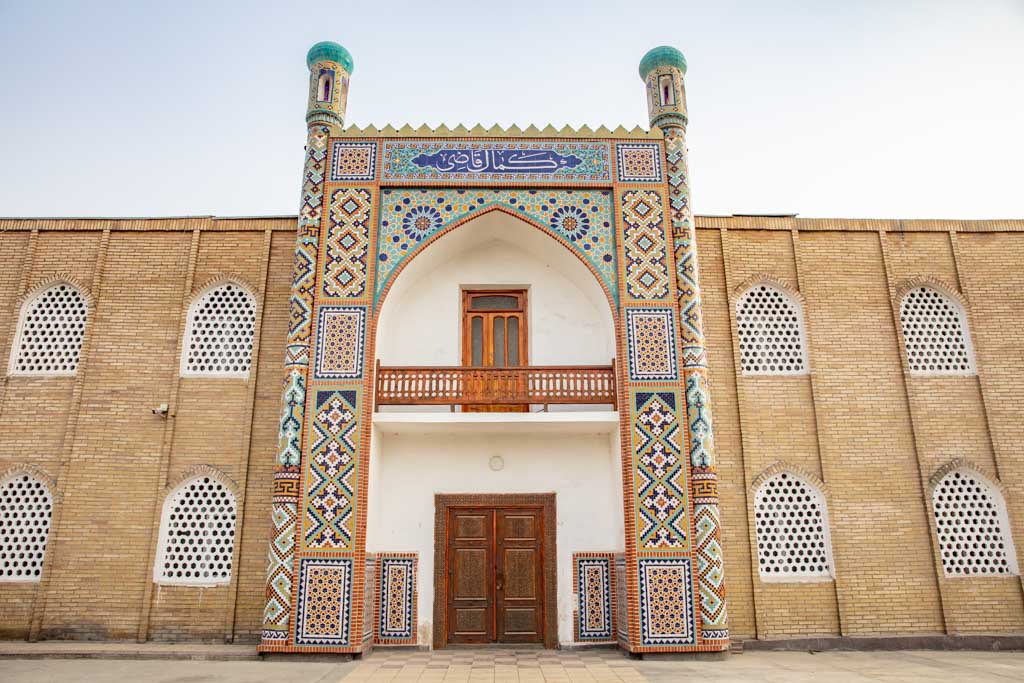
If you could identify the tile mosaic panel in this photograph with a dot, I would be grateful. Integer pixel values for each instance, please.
(340, 342)
(396, 616)
(353, 161)
(651, 344)
(660, 474)
(638, 162)
(324, 603)
(582, 219)
(698, 417)
(277, 613)
(331, 471)
(505, 162)
(666, 613)
(710, 573)
(347, 243)
(643, 238)
(293, 403)
(594, 581)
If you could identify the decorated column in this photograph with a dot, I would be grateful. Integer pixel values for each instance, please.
(330, 66)
(662, 70)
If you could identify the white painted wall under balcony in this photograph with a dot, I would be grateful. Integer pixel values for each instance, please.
(581, 466)
(570, 321)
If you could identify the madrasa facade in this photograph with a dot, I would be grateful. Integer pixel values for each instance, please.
(503, 386)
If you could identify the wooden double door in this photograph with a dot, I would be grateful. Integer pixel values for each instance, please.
(495, 563)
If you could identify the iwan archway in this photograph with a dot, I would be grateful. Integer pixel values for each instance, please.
(372, 201)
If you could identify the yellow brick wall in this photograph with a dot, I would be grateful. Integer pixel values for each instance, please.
(858, 421)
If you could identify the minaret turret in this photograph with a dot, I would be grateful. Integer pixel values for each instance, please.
(663, 69)
(330, 67)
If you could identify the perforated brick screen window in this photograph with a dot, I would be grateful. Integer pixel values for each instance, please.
(25, 510)
(221, 328)
(50, 332)
(197, 534)
(770, 333)
(935, 332)
(973, 528)
(792, 530)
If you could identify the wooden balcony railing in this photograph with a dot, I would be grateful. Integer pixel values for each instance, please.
(452, 386)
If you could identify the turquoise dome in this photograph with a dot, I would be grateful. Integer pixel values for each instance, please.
(329, 51)
(662, 56)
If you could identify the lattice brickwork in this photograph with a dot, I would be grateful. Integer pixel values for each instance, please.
(935, 332)
(25, 510)
(197, 534)
(792, 529)
(50, 332)
(973, 528)
(221, 326)
(770, 332)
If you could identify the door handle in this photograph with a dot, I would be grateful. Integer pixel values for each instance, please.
(499, 582)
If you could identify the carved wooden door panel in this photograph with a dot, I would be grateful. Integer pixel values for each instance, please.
(519, 576)
(495, 587)
(470, 560)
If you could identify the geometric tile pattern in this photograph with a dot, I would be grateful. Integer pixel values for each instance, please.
(593, 580)
(638, 162)
(347, 242)
(304, 269)
(621, 601)
(289, 436)
(710, 573)
(666, 614)
(651, 344)
(511, 162)
(340, 339)
(331, 471)
(324, 601)
(279, 572)
(685, 247)
(661, 490)
(698, 418)
(396, 598)
(643, 242)
(353, 161)
(582, 219)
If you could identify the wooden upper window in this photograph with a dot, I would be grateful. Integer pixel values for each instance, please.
(494, 328)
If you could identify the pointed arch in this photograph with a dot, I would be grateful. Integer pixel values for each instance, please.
(935, 330)
(791, 525)
(610, 294)
(220, 329)
(770, 326)
(52, 319)
(197, 530)
(972, 521)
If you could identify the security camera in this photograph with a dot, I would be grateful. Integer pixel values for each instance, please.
(161, 410)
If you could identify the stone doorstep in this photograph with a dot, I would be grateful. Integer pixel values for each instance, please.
(66, 649)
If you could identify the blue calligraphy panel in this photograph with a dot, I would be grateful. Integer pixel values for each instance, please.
(444, 161)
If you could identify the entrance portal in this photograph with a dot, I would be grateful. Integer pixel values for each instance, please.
(495, 570)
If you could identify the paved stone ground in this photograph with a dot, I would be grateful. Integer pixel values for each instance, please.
(484, 665)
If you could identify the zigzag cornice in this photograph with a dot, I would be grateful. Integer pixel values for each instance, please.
(496, 131)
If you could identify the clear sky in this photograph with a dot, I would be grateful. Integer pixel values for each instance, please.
(848, 109)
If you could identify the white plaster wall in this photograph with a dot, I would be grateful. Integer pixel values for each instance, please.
(583, 470)
(569, 322)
